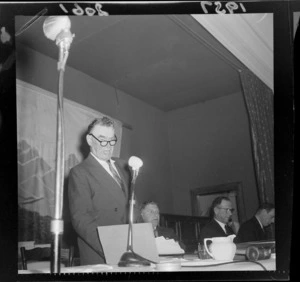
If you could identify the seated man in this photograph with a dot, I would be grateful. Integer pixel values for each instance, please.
(221, 213)
(150, 213)
(254, 228)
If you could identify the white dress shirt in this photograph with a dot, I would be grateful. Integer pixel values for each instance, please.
(222, 225)
(105, 164)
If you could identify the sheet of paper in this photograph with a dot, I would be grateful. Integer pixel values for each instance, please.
(167, 246)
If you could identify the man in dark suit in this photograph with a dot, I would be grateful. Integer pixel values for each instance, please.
(98, 191)
(150, 213)
(254, 228)
(221, 213)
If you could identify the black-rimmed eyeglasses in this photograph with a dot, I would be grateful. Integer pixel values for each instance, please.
(104, 143)
(227, 209)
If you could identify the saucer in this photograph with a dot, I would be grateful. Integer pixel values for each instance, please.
(168, 266)
(202, 262)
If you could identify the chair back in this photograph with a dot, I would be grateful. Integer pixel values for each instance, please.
(43, 254)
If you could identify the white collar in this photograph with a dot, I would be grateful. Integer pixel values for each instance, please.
(221, 224)
(259, 222)
(102, 161)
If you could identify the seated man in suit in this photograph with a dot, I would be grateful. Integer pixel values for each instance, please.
(221, 213)
(254, 228)
(150, 213)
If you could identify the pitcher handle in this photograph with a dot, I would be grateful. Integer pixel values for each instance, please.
(205, 246)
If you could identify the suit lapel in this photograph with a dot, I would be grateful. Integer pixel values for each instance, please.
(103, 179)
(219, 228)
(262, 233)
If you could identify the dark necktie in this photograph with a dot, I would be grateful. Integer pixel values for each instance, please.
(116, 176)
(228, 230)
(264, 234)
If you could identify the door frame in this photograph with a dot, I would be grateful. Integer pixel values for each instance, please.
(237, 187)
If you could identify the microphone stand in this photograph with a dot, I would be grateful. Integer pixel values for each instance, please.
(130, 258)
(63, 40)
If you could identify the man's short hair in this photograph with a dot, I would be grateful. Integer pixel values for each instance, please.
(217, 201)
(265, 206)
(144, 204)
(105, 121)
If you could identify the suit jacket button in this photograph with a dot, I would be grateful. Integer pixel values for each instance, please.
(116, 209)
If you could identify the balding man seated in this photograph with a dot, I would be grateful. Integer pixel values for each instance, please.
(150, 213)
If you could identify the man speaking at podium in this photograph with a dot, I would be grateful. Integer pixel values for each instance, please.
(98, 191)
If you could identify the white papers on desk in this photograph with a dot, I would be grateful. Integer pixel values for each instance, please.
(167, 246)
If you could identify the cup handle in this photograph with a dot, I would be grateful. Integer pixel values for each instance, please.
(205, 246)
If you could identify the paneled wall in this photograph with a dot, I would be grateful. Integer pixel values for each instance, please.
(187, 228)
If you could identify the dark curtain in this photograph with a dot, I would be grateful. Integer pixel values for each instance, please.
(297, 58)
(259, 104)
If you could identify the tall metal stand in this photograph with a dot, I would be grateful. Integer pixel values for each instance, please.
(57, 223)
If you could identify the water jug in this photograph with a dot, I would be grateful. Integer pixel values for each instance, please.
(221, 248)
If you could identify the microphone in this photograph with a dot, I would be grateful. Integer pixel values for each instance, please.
(58, 28)
(254, 253)
(130, 258)
(135, 163)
